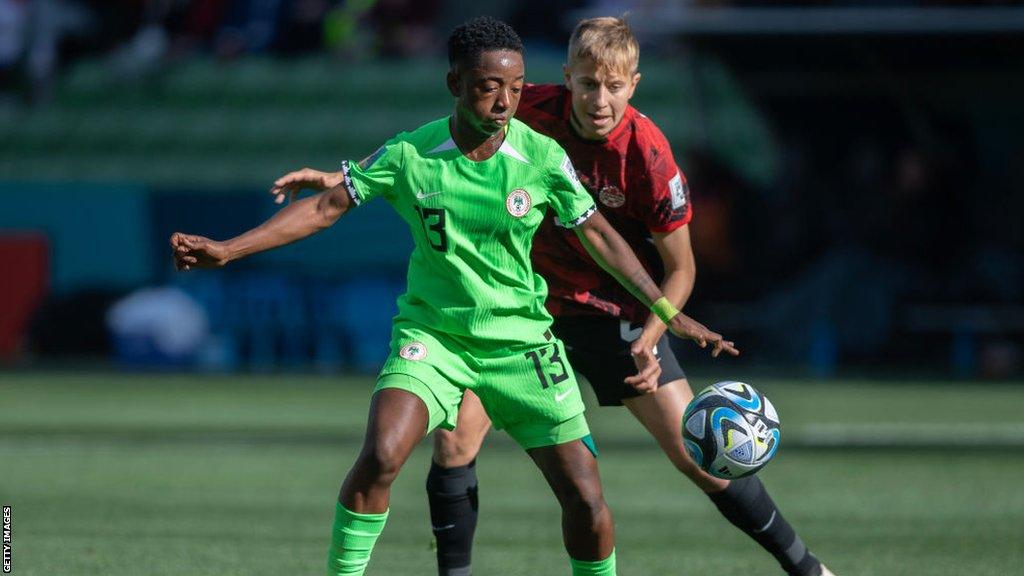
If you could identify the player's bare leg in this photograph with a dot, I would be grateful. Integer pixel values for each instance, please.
(452, 487)
(744, 502)
(587, 529)
(459, 447)
(397, 422)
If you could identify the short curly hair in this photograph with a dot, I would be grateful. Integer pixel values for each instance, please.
(479, 35)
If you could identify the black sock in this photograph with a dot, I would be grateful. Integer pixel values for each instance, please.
(748, 506)
(452, 493)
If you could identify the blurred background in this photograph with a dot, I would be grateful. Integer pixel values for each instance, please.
(855, 170)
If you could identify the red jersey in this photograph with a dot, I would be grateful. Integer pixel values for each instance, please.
(637, 186)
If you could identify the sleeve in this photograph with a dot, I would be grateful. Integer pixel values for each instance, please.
(669, 207)
(374, 175)
(571, 202)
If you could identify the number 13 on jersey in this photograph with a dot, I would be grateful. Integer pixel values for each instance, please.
(433, 227)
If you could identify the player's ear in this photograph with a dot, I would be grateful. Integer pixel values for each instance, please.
(454, 82)
(567, 73)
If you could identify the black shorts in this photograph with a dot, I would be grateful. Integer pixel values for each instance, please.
(598, 348)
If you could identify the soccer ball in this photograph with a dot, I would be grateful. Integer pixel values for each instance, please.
(731, 430)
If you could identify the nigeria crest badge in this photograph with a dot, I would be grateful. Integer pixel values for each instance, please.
(413, 351)
(518, 202)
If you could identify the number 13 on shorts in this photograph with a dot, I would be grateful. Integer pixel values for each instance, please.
(549, 365)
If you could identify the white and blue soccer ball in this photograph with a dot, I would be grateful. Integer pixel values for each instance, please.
(731, 430)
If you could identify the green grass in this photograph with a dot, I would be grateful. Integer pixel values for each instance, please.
(192, 475)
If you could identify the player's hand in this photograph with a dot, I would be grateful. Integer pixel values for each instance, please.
(191, 251)
(647, 366)
(686, 327)
(289, 185)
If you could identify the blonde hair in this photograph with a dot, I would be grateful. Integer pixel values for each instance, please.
(608, 42)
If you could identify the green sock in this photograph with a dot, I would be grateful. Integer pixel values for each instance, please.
(352, 541)
(604, 567)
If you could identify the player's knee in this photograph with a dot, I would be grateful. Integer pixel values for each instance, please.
(381, 462)
(452, 449)
(583, 501)
(587, 505)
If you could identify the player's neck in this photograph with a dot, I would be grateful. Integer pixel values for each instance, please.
(474, 143)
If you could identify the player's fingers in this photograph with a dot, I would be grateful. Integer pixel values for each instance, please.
(648, 368)
(649, 371)
(641, 383)
(644, 377)
(652, 370)
(717, 344)
(635, 380)
(651, 380)
(188, 240)
(288, 178)
(731, 349)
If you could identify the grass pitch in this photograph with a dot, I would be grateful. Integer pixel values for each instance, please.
(203, 475)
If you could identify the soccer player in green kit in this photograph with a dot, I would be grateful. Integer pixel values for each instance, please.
(473, 188)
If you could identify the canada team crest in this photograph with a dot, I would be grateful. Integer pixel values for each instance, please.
(413, 351)
(518, 202)
(612, 197)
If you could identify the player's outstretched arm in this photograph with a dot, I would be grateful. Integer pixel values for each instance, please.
(294, 222)
(612, 252)
(289, 185)
(676, 253)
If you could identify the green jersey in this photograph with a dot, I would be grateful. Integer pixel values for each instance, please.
(472, 224)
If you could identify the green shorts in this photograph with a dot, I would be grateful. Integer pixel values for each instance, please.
(531, 392)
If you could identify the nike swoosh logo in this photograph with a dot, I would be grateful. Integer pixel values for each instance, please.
(442, 528)
(421, 195)
(563, 395)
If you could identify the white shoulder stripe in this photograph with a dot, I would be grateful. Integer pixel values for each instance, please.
(507, 148)
(443, 146)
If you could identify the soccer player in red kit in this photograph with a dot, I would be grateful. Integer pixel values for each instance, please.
(625, 162)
